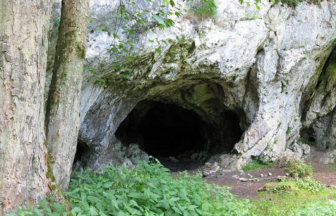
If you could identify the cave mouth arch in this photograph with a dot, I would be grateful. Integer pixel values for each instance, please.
(168, 130)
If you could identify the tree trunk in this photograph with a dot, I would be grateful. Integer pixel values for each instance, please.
(24, 27)
(64, 95)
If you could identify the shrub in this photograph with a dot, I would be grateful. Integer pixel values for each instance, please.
(310, 184)
(298, 169)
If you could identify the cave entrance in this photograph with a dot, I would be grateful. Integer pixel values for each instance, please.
(168, 130)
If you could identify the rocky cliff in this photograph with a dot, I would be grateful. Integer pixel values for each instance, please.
(232, 88)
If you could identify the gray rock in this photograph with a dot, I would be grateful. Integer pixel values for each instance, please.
(266, 70)
(194, 156)
(243, 179)
(172, 159)
(135, 154)
(235, 177)
(305, 149)
(210, 169)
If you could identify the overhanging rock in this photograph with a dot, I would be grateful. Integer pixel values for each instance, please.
(269, 77)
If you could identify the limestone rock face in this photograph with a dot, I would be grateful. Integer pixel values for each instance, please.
(255, 84)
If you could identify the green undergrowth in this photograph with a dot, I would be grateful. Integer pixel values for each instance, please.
(149, 189)
(146, 190)
(299, 169)
(294, 3)
(255, 165)
(295, 197)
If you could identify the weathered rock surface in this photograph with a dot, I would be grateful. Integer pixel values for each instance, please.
(256, 84)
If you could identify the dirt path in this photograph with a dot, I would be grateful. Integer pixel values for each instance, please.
(246, 184)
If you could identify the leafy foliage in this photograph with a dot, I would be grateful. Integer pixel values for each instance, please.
(310, 185)
(254, 165)
(298, 169)
(320, 207)
(146, 190)
(203, 9)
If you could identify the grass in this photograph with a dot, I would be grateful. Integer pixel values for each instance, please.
(255, 165)
(290, 198)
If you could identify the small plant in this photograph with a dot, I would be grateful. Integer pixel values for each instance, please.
(279, 187)
(202, 10)
(298, 169)
(310, 184)
(255, 165)
(282, 179)
(289, 129)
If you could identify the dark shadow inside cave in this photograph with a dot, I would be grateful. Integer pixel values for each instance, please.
(168, 130)
(82, 151)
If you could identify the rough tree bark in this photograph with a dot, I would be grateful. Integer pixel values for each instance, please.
(24, 27)
(64, 95)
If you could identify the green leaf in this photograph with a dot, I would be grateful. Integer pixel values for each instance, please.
(126, 76)
(76, 210)
(140, 22)
(159, 20)
(38, 212)
(169, 22)
(158, 50)
(115, 35)
(93, 199)
(101, 213)
(171, 2)
(93, 211)
(177, 210)
(107, 184)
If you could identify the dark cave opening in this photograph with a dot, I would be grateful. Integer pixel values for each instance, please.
(164, 130)
(82, 151)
